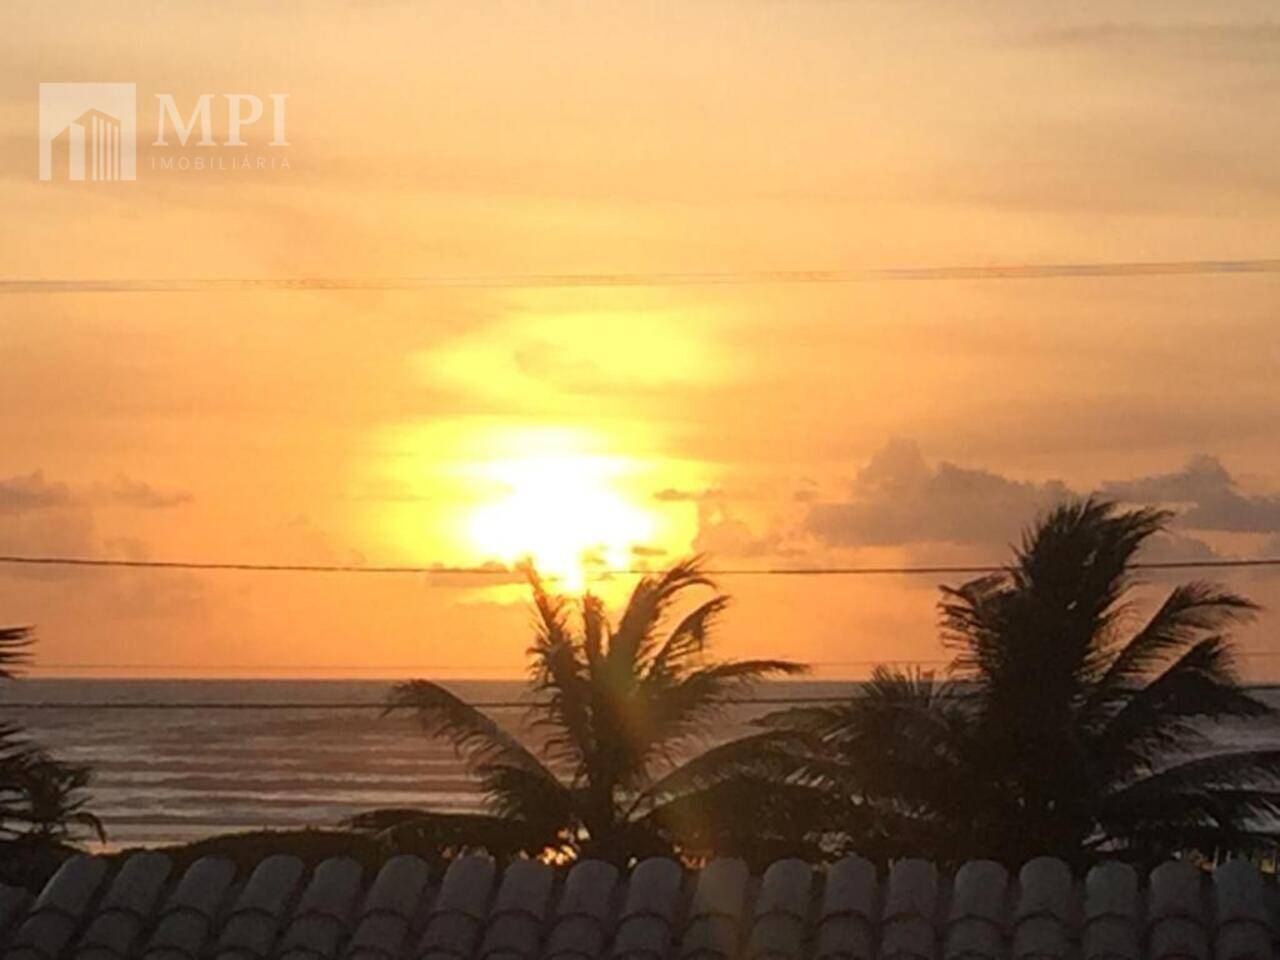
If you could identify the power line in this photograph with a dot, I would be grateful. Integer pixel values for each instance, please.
(363, 705)
(343, 704)
(1041, 271)
(402, 667)
(492, 668)
(488, 570)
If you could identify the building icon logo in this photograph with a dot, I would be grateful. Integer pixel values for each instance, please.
(88, 131)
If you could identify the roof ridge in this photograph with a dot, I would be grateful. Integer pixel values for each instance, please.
(103, 908)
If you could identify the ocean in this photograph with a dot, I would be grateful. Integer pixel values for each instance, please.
(178, 760)
(274, 754)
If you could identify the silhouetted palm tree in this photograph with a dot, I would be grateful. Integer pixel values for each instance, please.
(41, 799)
(614, 708)
(1059, 730)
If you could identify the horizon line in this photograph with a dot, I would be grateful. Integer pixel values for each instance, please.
(1031, 271)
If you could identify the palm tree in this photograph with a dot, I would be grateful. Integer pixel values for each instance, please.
(614, 709)
(42, 800)
(1060, 729)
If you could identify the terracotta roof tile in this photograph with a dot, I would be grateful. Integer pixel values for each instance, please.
(251, 927)
(1111, 913)
(908, 930)
(978, 914)
(794, 911)
(457, 917)
(13, 907)
(126, 908)
(515, 923)
(781, 925)
(383, 922)
(1177, 916)
(57, 913)
(646, 926)
(581, 927)
(187, 918)
(715, 918)
(1243, 929)
(848, 918)
(1042, 916)
(320, 921)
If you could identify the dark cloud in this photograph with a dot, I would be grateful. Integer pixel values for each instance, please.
(1206, 496)
(24, 492)
(898, 498)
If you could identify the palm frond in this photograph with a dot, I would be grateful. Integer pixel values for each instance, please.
(1167, 714)
(478, 738)
(759, 818)
(1231, 769)
(634, 638)
(1085, 548)
(563, 682)
(522, 794)
(595, 630)
(689, 638)
(47, 798)
(15, 643)
(551, 615)
(674, 711)
(1190, 612)
(451, 833)
(770, 754)
(903, 735)
(1065, 594)
(1221, 801)
(516, 782)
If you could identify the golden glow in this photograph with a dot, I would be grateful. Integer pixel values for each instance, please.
(575, 499)
(562, 511)
(543, 354)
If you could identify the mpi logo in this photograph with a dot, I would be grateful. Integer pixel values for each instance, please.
(88, 131)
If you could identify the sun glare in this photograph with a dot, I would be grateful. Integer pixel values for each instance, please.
(562, 511)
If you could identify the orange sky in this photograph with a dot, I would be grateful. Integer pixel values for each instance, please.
(868, 423)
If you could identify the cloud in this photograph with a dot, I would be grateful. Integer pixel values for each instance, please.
(1206, 496)
(25, 492)
(126, 492)
(498, 576)
(898, 498)
(672, 495)
(44, 517)
(722, 533)
(644, 551)
(1257, 40)
(1173, 546)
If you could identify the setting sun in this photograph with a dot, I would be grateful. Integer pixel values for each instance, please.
(563, 513)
